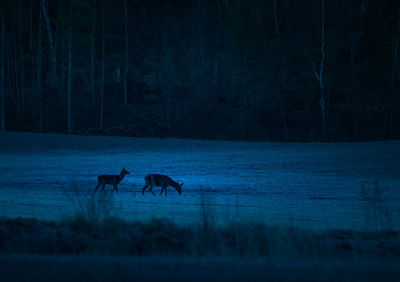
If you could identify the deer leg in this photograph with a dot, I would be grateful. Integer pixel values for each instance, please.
(162, 189)
(103, 186)
(116, 188)
(98, 185)
(151, 190)
(144, 188)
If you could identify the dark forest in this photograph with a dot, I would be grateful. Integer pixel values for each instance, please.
(275, 70)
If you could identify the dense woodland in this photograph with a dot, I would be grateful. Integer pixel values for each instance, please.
(275, 70)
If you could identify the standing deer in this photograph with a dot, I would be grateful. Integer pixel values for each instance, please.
(102, 180)
(160, 180)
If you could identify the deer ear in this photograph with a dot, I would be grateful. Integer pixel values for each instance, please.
(182, 184)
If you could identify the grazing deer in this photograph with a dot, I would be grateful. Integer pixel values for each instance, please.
(102, 180)
(160, 180)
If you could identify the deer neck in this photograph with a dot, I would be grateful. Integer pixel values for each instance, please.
(121, 176)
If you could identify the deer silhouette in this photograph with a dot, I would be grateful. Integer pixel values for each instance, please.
(164, 181)
(102, 180)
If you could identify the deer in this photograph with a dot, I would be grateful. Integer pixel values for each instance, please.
(164, 181)
(102, 180)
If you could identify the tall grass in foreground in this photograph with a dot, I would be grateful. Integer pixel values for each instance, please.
(377, 215)
(92, 209)
(96, 228)
(162, 237)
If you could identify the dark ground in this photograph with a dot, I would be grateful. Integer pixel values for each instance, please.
(149, 251)
(121, 268)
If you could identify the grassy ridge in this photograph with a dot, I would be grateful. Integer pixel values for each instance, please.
(113, 236)
(96, 228)
(22, 267)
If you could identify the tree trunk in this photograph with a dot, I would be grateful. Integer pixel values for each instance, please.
(282, 110)
(2, 94)
(395, 73)
(39, 67)
(31, 26)
(102, 72)
(322, 74)
(31, 45)
(53, 59)
(62, 63)
(126, 54)
(22, 75)
(17, 85)
(278, 72)
(276, 18)
(69, 118)
(92, 56)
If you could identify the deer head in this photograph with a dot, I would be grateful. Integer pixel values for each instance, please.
(179, 187)
(124, 172)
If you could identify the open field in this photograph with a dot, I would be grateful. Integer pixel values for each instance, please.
(248, 211)
(314, 186)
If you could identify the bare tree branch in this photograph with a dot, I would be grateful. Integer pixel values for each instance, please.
(312, 63)
(52, 46)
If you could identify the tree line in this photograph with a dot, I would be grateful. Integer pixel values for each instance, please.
(274, 70)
